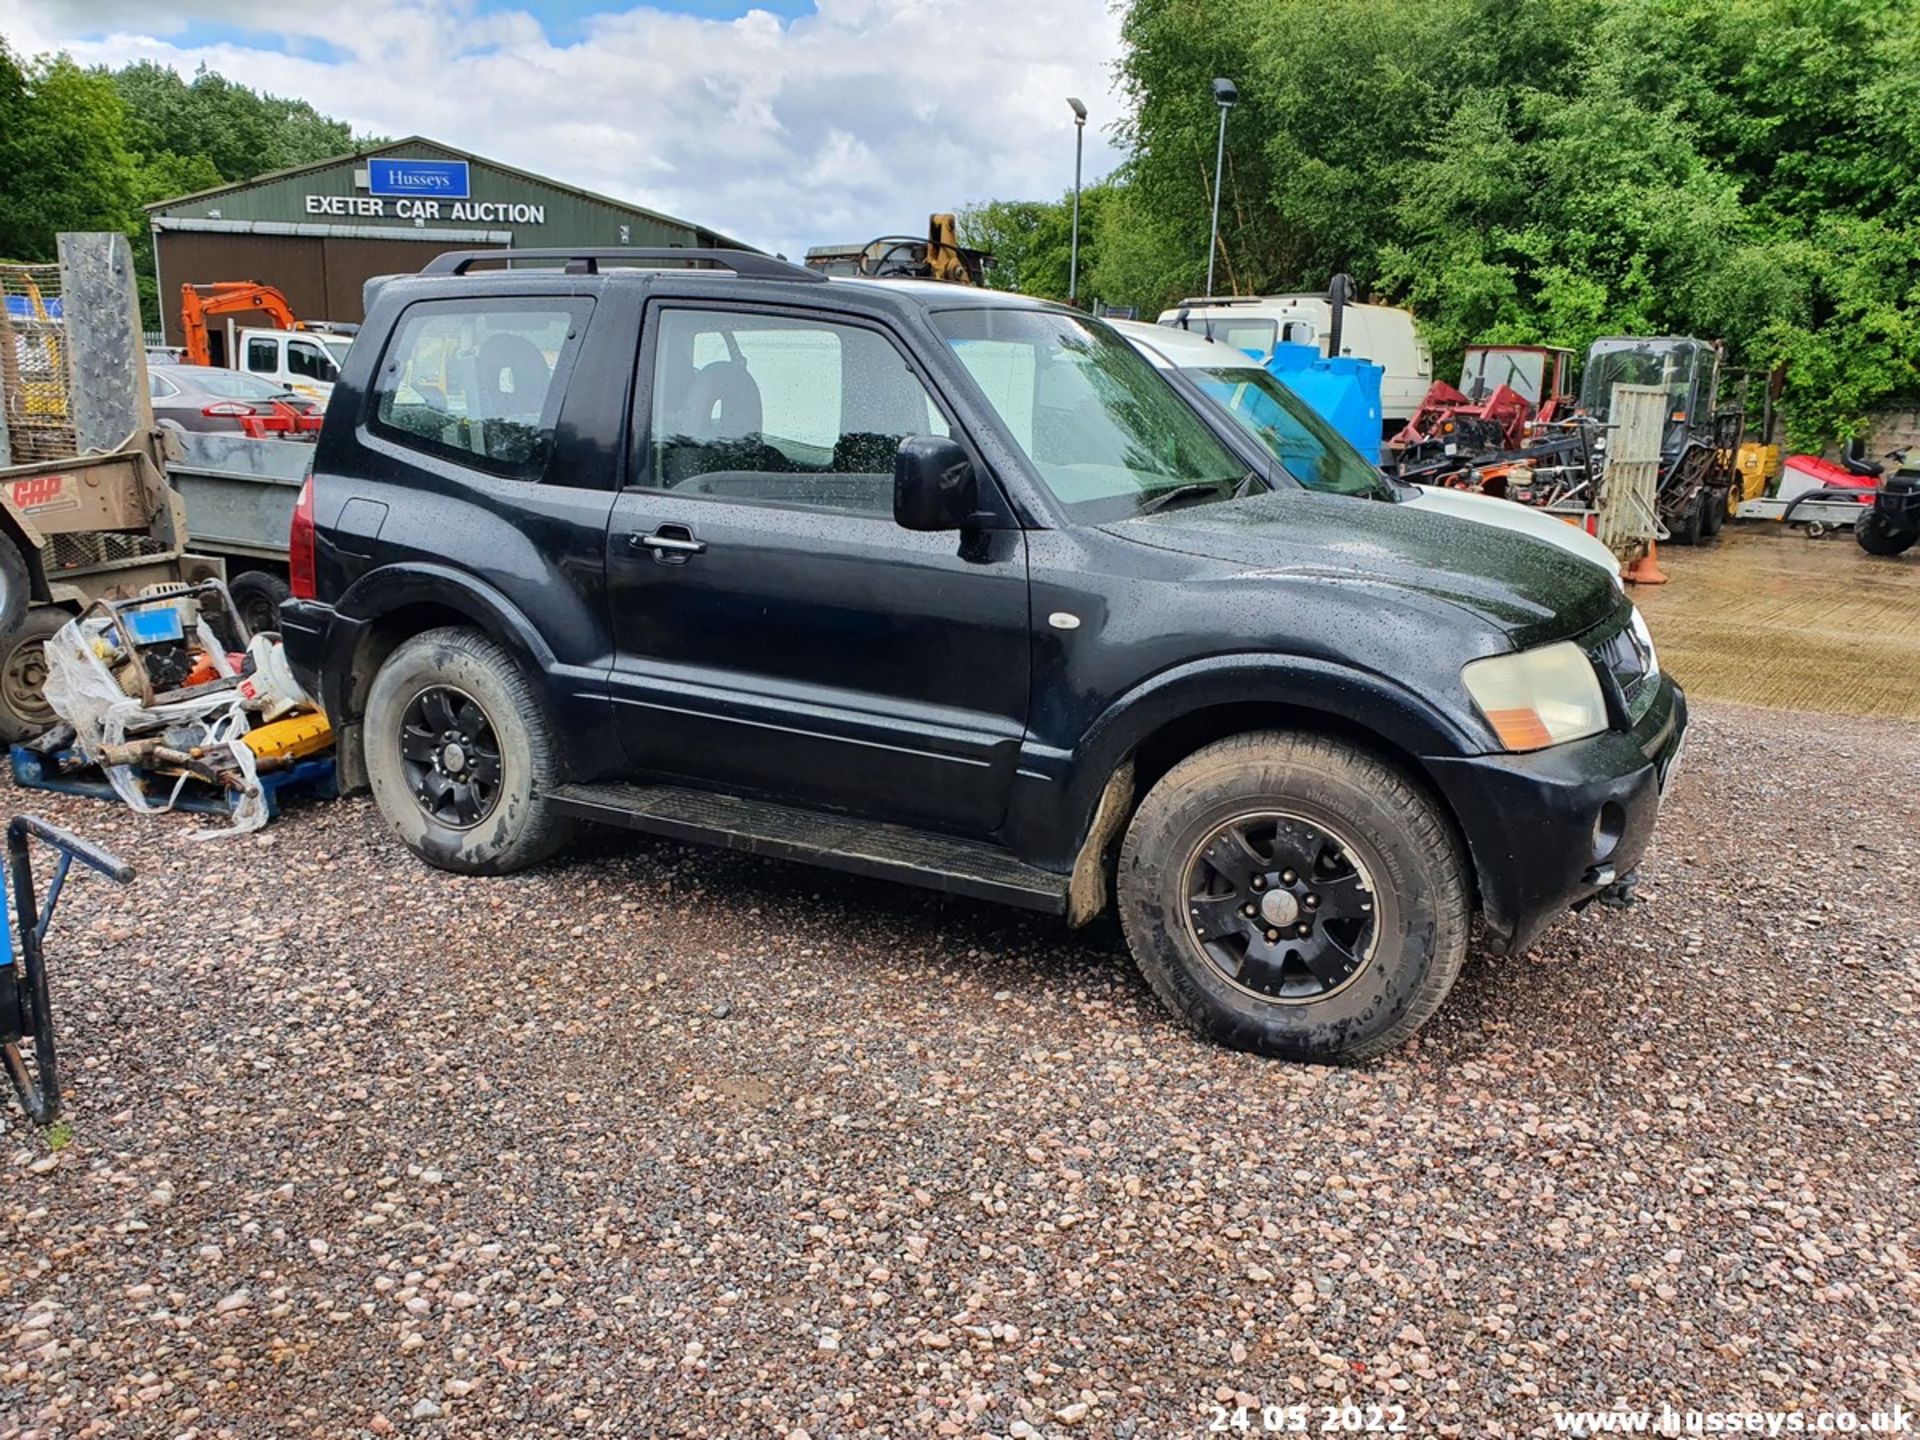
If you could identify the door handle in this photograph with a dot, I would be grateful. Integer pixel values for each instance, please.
(672, 543)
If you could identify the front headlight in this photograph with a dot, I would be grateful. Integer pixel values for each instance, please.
(1537, 698)
(1645, 636)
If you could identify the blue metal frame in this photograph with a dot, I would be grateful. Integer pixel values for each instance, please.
(35, 771)
(26, 1014)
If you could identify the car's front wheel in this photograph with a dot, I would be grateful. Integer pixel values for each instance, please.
(1294, 896)
(461, 755)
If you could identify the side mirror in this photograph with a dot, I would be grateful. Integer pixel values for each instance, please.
(933, 484)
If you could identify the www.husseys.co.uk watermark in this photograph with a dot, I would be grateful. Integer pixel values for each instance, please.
(1670, 1421)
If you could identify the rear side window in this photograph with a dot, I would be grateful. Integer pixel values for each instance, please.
(479, 382)
(263, 354)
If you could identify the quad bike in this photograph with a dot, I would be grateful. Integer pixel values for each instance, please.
(26, 1014)
(1892, 524)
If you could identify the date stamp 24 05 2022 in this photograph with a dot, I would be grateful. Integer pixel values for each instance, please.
(1302, 1419)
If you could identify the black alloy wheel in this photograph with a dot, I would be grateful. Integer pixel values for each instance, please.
(450, 756)
(1281, 907)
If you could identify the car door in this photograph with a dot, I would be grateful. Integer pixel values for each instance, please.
(776, 631)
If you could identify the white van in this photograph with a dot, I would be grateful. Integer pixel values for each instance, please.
(306, 362)
(1384, 334)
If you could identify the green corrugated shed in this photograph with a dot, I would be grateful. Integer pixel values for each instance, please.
(537, 210)
(317, 233)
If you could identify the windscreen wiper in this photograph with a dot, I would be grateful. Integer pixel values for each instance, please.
(1179, 493)
(1196, 490)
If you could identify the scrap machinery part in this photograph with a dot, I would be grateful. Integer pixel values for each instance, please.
(26, 1012)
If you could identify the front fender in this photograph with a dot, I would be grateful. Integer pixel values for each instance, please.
(1059, 790)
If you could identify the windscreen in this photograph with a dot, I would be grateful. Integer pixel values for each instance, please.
(1668, 364)
(1523, 371)
(1104, 432)
(1252, 335)
(1309, 449)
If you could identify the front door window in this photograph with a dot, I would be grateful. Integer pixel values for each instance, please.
(766, 409)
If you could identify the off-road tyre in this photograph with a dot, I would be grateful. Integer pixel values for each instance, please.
(1686, 528)
(1713, 512)
(1877, 537)
(1399, 840)
(257, 596)
(518, 827)
(24, 711)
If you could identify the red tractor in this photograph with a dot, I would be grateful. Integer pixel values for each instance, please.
(1503, 390)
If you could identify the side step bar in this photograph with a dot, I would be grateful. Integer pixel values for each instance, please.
(839, 842)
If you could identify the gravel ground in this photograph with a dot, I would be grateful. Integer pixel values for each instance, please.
(670, 1142)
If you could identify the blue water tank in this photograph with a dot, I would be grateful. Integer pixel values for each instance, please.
(1344, 391)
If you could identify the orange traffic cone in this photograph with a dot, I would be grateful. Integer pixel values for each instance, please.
(1646, 570)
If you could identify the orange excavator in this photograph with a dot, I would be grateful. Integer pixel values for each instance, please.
(227, 297)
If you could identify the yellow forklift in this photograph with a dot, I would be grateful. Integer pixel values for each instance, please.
(937, 256)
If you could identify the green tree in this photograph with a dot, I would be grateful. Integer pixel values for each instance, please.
(241, 132)
(63, 151)
(1743, 170)
(87, 149)
(1032, 241)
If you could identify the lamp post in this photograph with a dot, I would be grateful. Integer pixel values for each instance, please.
(1226, 95)
(1079, 140)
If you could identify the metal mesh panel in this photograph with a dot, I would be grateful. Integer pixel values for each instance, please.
(89, 548)
(34, 384)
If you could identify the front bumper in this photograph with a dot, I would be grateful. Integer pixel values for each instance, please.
(1549, 830)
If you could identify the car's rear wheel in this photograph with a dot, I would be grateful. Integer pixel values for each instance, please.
(461, 755)
(1294, 896)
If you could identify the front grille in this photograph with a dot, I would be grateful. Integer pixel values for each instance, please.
(1616, 652)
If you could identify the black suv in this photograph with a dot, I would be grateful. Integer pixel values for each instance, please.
(946, 586)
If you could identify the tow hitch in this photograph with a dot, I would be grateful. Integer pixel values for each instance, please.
(1622, 893)
(26, 1016)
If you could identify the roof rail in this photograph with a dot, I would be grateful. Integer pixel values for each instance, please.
(1222, 300)
(585, 260)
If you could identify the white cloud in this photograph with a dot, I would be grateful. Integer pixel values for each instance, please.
(855, 121)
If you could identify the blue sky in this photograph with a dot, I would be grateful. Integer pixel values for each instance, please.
(784, 123)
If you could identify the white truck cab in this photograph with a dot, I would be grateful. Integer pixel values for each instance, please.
(306, 362)
(1384, 334)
